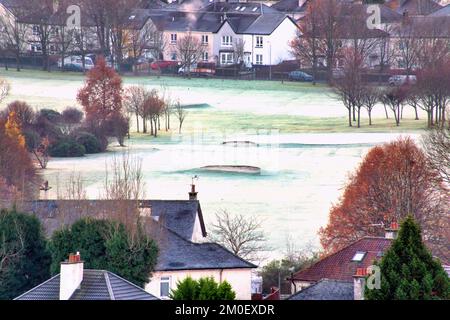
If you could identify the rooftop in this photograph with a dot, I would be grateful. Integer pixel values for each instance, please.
(96, 285)
(342, 264)
(326, 289)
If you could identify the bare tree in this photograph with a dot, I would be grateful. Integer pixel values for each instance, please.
(241, 235)
(407, 44)
(134, 100)
(239, 50)
(309, 43)
(370, 97)
(189, 51)
(181, 114)
(124, 178)
(349, 88)
(13, 35)
(394, 98)
(64, 39)
(437, 147)
(74, 188)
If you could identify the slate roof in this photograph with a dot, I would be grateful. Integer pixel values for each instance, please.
(96, 285)
(445, 11)
(290, 6)
(414, 7)
(326, 289)
(212, 18)
(339, 265)
(179, 215)
(177, 253)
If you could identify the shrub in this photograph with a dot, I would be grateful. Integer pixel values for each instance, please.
(108, 245)
(25, 259)
(90, 142)
(51, 115)
(202, 289)
(67, 148)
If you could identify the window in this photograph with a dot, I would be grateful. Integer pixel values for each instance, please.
(132, 17)
(164, 286)
(259, 42)
(359, 255)
(36, 30)
(205, 39)
(254, 9)
(237, 8)
(243, 8)
(36, 48)
(227, 41)
(173, 56)
(259, 59)
(226, 58)
(173, 38)
(205, 56)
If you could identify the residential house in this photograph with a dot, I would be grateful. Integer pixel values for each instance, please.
(177, 226)
(341, 275)
(76, 283)
(229, 32)
(253, 33)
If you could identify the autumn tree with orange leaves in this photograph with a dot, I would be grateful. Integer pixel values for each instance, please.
(101, 98)
(394, 180)
(17, 172)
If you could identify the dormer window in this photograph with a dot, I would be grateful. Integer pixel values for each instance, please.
(243, 8)
(132, 17)
(237, 8)
(359, 256)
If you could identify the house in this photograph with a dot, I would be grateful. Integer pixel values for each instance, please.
(341, 275)
(177, 226)
(342, 265)
(76, 283)
(180, 258)
(228, 32)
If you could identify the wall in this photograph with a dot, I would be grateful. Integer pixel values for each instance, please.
(239, 279)
(280, 42)
(226, 30)
(170, 47)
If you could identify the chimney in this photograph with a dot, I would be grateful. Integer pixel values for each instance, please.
(359, 283)
(193, 193)
(71, 276)
(391, 231)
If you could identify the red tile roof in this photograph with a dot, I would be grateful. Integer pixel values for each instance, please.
(339, 265)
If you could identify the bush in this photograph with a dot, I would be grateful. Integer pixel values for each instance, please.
(51, 115)
(25, 259)
(90, 142)
(32, 139)
(67, 148)
(108, 245)
(202, 289)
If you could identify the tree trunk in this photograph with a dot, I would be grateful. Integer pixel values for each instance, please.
(137, 122)
(359, 117)
(385, 111)
(350, 116)
(370, 116)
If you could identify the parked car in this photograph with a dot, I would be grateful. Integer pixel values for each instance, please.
(75, 63)
(398, 80)
(163, 64)
(201, 69)
(300, 76)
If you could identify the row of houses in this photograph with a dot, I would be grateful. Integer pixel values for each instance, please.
(229, 32)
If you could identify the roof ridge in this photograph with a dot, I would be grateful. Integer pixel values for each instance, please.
(108, 285)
